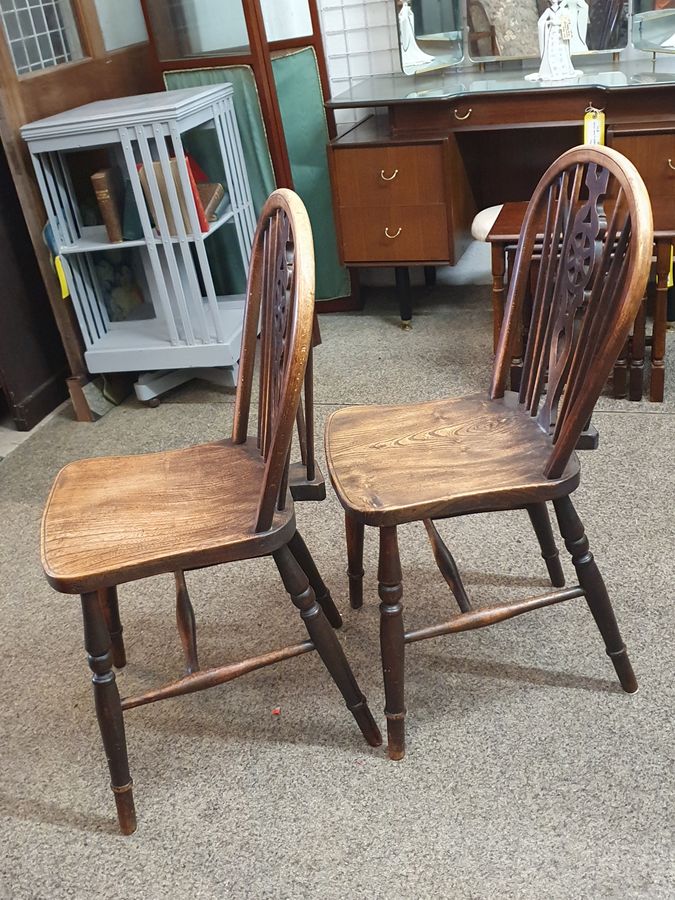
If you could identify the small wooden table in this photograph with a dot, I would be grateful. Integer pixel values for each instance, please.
(503, 237)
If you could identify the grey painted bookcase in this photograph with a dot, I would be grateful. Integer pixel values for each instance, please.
(148, 303)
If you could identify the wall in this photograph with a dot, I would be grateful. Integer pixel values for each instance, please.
(360, 40)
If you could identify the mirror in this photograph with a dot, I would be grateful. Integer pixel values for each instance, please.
(508, 29)
(429, 34)
(654, 25)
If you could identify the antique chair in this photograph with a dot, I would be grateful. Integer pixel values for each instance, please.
(110, 521)
(501, 450)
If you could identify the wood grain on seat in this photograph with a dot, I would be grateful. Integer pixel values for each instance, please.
(392, 464)
(119, 518)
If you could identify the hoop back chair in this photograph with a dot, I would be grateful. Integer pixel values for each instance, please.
(114, 520)
(502, 450)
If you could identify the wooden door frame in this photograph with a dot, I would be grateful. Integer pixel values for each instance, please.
(259, 58)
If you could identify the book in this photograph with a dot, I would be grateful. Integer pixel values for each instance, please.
(211, 195)
(109, 191)
(164, 195)
(132, 230)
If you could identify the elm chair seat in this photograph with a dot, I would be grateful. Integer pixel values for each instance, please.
(461, 455)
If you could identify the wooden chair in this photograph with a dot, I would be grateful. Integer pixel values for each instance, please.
(109, 521)
(501, 450)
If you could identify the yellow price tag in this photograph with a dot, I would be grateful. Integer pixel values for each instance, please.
(594, 126)
(61, 275)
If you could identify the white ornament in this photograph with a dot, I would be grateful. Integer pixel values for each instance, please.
(555, 39)
(412, 57)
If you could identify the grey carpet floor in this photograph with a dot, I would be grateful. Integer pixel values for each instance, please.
(529, 774)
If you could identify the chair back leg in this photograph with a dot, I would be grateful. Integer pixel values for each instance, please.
(326, 642)
(354, 532)
(304, 559)
(111, 613)
(594, 588)
(187, 626)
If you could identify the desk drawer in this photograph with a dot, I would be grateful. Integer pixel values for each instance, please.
(651, 154)
(390, 174)
(381, 234)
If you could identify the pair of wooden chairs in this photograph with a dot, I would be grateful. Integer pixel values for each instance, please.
(110, 521)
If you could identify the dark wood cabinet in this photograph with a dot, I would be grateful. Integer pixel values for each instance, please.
(32, 360)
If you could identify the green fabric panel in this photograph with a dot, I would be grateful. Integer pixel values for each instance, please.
(296, 76)
(227, 268)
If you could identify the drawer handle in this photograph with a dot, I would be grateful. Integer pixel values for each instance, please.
(670, 163)
(392, 236)
(462, 118)
(388, 177)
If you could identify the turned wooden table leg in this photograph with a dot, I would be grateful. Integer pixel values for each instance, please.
(108, 709)
(637, 354)
(392, 641)
(354, 531)
(658, 370)
(498, 271)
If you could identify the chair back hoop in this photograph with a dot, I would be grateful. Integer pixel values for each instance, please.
(279, 307)
(589, 224)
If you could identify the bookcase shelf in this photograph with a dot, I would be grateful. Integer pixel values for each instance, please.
(94, 237)
(148, 303)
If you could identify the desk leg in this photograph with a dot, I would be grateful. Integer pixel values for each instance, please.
(430, 276)
(403, 294)
(637, 355)
(498, 271)
(658, 370)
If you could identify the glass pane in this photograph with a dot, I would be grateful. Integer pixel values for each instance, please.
(286, 20)
(429, 34)
(192, 28)
(122, 23)
(654, 25)
(41, 33)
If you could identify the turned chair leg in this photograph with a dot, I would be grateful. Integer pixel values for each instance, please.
(326, 642)
(111, 613)
(354, 532)
(304, 558)
(597, 598)
(108, 709)
(392, 642)
(187, 627)
(541, 523)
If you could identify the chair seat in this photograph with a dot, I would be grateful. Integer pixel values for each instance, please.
(395, 464)
(115, 519)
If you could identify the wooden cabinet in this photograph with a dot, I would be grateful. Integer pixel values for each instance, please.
(397, 202)
(653, 153)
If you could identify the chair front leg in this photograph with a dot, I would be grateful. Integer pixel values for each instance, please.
(304, 558)
(597, 598)
(354, 533)
(541, 523)
(108, 709)
(111, 613)
(392, 642)
(326, 642)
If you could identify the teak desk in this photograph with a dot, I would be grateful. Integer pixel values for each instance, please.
(408, 179)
